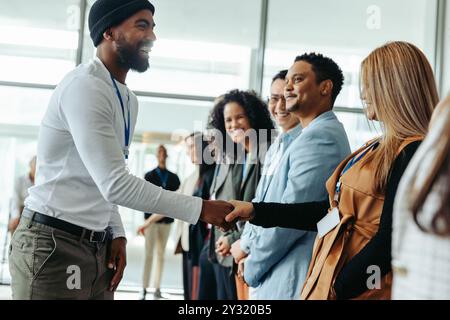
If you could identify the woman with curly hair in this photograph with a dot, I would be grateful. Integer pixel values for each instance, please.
(243, 131)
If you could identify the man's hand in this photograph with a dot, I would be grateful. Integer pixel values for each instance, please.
(117, 261)
(223, 246)
(243, 211)
(214, 212)
(236, 251)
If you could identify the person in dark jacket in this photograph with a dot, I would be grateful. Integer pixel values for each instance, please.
(156, 228)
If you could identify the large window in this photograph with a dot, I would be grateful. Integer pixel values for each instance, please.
(346, 31)
(143, 159)
(203, 47)
(15, 155)
(23, 106)
(38, 39)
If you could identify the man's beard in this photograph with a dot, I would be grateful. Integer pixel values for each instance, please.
(128, 56)
(294, 107)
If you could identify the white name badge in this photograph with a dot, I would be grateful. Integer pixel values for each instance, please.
(328, 223)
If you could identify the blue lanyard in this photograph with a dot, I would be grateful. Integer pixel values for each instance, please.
(244, 167)
(162, 177)
(126, 127)
(350, 164)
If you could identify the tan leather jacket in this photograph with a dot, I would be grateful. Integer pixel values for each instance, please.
(360, 210)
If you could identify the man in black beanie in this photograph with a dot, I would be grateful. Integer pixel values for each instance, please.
(70, 242)
(132, 39)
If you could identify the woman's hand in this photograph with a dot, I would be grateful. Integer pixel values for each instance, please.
(243, 211)
(223, 247)
(236, 251)
(141, 229)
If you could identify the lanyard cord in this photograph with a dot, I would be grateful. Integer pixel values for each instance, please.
(350, 164)
(244, 167)
(126, 127)
(163, 177)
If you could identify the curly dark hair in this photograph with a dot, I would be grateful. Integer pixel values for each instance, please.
(325, 69)
(255, 109)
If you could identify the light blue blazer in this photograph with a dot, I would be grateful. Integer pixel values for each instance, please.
(279, 258)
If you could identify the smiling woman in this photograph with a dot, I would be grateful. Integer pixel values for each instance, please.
(243, 118)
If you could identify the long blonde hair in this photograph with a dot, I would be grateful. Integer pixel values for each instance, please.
(398, 81)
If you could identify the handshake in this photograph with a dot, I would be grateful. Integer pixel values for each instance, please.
(224, 214)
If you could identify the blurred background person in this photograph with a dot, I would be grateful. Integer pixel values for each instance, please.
(421, 224)
(20, 193)
(190, 239)
(156, 228)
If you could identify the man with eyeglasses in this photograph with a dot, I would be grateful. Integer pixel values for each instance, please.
(277, 104)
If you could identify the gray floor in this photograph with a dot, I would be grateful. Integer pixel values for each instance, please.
(123, 293)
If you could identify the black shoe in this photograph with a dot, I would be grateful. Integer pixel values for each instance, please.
(143, 294)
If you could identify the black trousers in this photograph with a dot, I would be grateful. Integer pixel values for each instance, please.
(225, 281)
(207, 288)
(187, 276)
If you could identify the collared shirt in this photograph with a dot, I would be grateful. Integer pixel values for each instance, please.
(278, 268)
(273, 158)
(81, 174)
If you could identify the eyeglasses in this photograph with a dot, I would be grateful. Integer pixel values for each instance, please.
(274, 99)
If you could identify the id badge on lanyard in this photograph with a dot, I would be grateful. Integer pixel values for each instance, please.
(332, 218)
(127, 127)
(329, 222)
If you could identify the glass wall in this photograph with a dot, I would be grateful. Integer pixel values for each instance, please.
(204, 48)
(199, 50)
(38, 39)
(346, 31)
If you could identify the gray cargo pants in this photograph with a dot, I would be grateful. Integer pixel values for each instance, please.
(48, 263)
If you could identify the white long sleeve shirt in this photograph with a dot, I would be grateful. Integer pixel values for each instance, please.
(81, 174)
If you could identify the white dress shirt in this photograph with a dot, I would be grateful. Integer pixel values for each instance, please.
(81, 174)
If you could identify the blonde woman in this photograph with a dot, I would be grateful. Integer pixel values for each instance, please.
(352, 256)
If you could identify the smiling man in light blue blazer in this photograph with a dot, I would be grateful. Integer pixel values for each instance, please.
(278, 258)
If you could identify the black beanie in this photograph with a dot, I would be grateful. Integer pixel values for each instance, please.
(109, 13)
